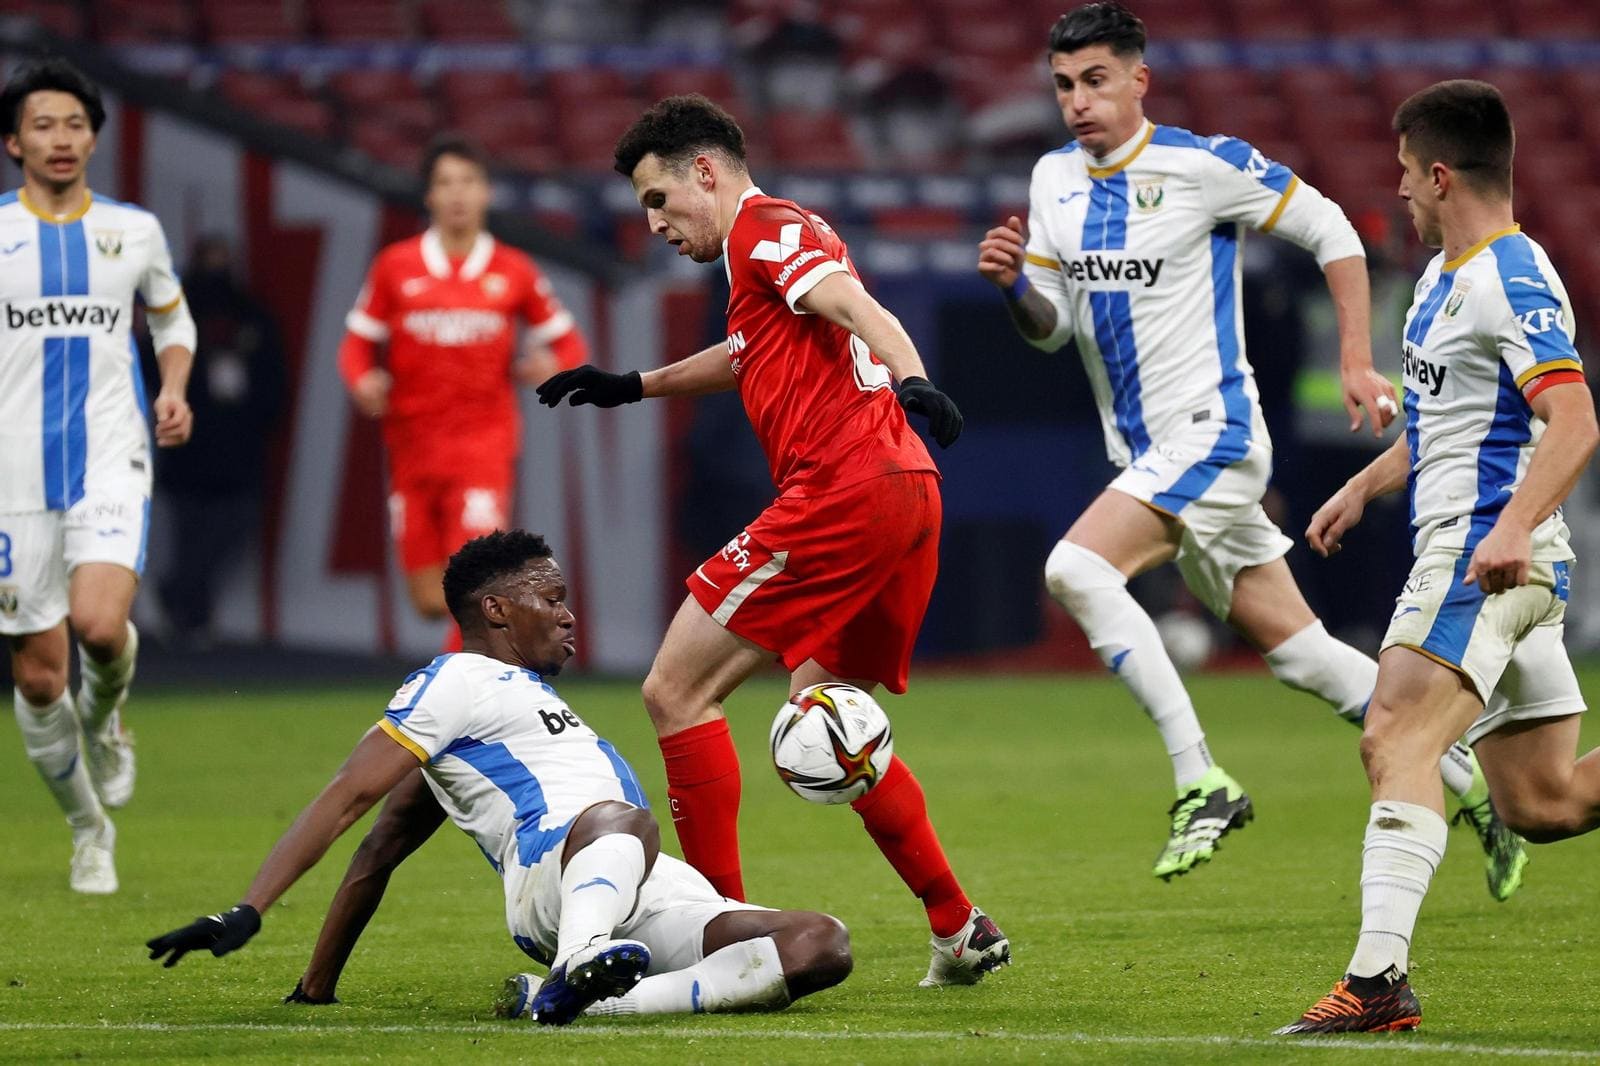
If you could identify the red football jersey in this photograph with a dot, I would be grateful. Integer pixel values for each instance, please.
(819, 400)
(450, 327)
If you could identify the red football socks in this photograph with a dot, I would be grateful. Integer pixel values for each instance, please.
(703, 791)
(895, 813)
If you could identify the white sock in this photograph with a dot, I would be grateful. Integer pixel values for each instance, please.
(743, 976)
(1125, 638)
(598, 890)
(1315, 661)
(1405, 842)
(104, 684)
(50, 737)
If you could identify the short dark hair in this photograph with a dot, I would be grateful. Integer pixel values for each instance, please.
(47, 75)
(1465, 125)
(483, 561)
(1108, 23)
(451, 144)
(677, 129)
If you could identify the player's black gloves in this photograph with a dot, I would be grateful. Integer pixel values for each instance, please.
(944, 419)
(221, 933)
(299, 996)
(589, 384)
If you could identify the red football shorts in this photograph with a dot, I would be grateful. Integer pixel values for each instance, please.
(843, 578)
(432, 517)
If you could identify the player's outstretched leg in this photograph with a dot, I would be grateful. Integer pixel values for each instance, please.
(50, 736)
(1314, 661)
(1209, 803)
(754, 960)
(107, 665)
(608, 853)
(966, 942)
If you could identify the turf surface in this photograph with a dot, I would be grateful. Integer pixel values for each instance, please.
(1051, 797)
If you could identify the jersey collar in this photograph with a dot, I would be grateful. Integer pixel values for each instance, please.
(750, 193)
(437, 260)
(1456, 263)
(88, 199)
(1122, 155)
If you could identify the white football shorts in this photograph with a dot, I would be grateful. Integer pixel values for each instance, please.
(1508, 646)
(1214, 488)
(40, 549)
(675, 905)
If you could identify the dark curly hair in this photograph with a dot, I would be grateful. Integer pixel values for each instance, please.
(481, 563)
(47, 75)
(1109, 24)
(677, 129)
(1464, 125)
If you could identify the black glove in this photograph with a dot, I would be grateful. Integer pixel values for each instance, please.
(221, 933)
(944, 420)
(299, 996)
(589, 384)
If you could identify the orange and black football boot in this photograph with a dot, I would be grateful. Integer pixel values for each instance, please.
(1381, 1004)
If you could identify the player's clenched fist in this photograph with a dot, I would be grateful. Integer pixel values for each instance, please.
(590, 384)
(944, 419)
(174, 420)
(217, 933)
(1000, 256)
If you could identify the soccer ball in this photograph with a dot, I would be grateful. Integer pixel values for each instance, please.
(831, 743)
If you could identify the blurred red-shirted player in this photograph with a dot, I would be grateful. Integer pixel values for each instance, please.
(834, 577)
(445, 304)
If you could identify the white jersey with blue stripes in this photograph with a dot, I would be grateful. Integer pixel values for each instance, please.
(1481, 329)
(508, 760)
(1139, 254)
(73, 412)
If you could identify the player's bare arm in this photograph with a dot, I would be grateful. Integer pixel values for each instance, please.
(409, 817)
(1000, 258)
(374, 768)
(1503, 558)
(1364, 388)
(701, 374)
(174, 419)
(1385, 474)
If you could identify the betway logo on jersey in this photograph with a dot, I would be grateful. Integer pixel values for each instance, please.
(64, 316)
(1421, 375)
(454, 327)
(1103, 271)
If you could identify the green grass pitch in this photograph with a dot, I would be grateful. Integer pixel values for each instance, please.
(1050, 794)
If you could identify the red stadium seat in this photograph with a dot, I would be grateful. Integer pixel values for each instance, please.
(465, 90)
(812, 140)
(1312, 84)
(578, 87)
(250, 21)
(135, 21)
(1251, 117)
(1517, 84)
(386, 144)
(1164, 20)
(1289, 153)
(1342, 117)
(374, 88)
(1381, 20)
(1552, 172)
(712, 82)
(1556, 19)
(304, 115)
(1274, 20)
(59, 16)
(362, 20)
(1465, 18)
(588, 136)
(249, 89)
(1543, 120)
(467, 20)
(506, 124)
(980, 82)
(1395, 84)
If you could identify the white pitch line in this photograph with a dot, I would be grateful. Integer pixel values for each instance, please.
(1393, 1044)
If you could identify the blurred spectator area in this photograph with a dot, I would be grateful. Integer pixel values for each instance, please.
(924, 87)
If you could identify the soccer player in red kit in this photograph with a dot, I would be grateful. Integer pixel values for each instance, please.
(834, 576)
(445, 304)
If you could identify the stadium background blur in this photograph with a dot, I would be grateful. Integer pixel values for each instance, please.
(293, 130)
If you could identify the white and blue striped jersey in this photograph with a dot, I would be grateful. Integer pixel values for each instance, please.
(508, 760)
(1482, 328)
(73, 412)
(1139, 254)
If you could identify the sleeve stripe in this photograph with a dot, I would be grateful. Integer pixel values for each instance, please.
(165, 308)
(1283, 201)
(557, 325)
(1538, 369)
(1545, 381)
(808, 281)
(1042, 261)
(404, 741)
(364, 325)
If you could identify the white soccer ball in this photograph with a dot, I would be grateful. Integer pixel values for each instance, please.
(1187, 638)
(831, 743)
